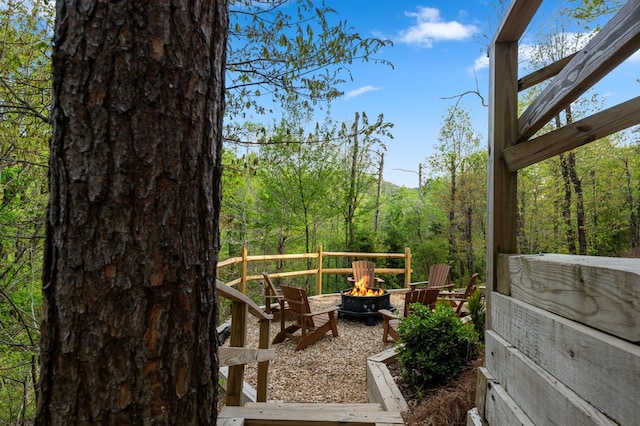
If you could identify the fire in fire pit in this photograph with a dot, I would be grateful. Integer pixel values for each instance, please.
(362, 301)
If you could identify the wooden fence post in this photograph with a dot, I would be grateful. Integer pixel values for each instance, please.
(243, 271)
(319, 274)
(407, 266)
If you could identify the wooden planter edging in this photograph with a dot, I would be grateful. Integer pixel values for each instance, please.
(381, 388)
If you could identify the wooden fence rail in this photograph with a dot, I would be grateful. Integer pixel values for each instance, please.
(244, 261)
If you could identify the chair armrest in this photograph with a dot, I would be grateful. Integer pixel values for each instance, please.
(443, 286)
(324, 311)
(452, 299)
(451, 293)
(387, 314)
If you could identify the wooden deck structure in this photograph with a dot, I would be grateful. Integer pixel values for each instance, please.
(562, 331)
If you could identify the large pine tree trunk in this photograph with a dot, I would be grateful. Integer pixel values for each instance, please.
(128, 334)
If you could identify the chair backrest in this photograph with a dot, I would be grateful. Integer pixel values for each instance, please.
(425, 296)
(471, 287)
(297, 300)
(439, 275)
(364, 268)
(269, 292)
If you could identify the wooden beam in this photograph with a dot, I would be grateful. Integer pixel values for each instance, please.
(496, 406)
(382, 389)
(311, 414)
(543, 74)
(600, 368)
(542, 397)
(516, 20)
(501, 183)
(618, 40)
(249, 394)
(601, 292)
(589, 129)
(237, 339)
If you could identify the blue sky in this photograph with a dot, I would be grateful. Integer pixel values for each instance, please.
(439, 52)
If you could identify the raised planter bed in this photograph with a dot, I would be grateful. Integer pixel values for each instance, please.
(381, 388)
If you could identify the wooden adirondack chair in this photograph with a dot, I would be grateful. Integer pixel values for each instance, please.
(312, 325)
(365, 269)
(274, 303)
(439, 276)
(458, 298)
(425, 296)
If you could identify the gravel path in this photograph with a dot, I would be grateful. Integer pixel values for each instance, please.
(331, 369)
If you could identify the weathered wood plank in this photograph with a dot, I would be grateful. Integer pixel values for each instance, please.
(600, 368)
(384, 355)
(473, 418)
(543, 74)
(318, 405)
(230, 421)
(617, 40)
(589, 129)
(236, 356)
(497, 407)
(265, 415)
(382, 389)
(600, 292)
(544, 399)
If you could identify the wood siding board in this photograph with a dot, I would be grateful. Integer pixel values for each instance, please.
(601, 292)
(543, 398)
(618, 40)
(576, 134)
(603, 370)
(497, 407)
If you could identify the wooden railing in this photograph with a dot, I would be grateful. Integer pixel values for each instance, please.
(319, 256)
(236, 356)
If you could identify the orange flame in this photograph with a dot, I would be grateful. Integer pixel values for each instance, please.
(361, 288)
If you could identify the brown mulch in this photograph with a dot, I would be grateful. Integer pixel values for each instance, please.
(447, 404)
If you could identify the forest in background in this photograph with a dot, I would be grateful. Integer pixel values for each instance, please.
(291, 184)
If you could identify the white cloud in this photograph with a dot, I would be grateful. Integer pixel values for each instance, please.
(430, 28)
(360, 91)
(635, 57)
(480, 63)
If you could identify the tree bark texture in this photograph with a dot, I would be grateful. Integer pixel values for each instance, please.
(128, 333)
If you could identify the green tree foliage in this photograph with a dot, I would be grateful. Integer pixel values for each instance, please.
(459, 163)
(24, 131)
(279, 48)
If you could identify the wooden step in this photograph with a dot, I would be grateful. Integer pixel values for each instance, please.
(311, 414)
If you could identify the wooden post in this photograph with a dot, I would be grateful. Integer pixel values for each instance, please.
(501, 183)
(243, 271)
(407, 266)
(239, 311)
(319, 274)
(263, 367)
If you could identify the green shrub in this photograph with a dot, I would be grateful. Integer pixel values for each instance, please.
(477, 312)
(434, 345)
